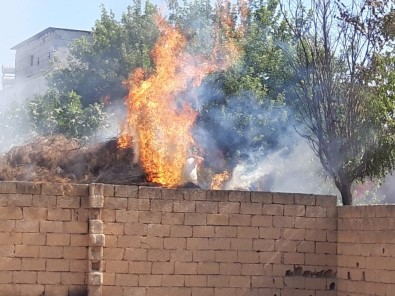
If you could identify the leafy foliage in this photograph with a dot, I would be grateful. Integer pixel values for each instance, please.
(342, 94)
(54, 113)
(99, 65)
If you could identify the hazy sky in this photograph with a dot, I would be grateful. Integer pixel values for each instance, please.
(21, 19)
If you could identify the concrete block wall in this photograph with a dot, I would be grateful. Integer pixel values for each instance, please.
(43, 239)
(366, 250)
(195, 242)
(99, 240)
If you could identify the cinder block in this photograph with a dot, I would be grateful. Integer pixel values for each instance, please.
(27, 226)
(135, 254)
(81, 190)
(242, 244)
(7, 187)
(24, 277)
(217, 219)
(175, 243)
(57, 265)
(217, 243)
(195, 194)
(184, 206)
(185, 268)
(58, 239)
(169, 280)
(140, 267)
(240, 281)
(126, 191)
(149, 280)
(208, 207)
(225, 231)
(159, 205)
(10, 238)
(150, 217)
(203, 231)
(30, 213)
(126, 280)
(97, 253)
(251, 208)
(172, 218)
(158, 230)
(196, 281)
(10, 213)
(52, 189)
(247, 232)
(73, 202)
(240, 196)
(230, 269)
(96, 195)
(229, 207)
(262, 197)
(137, 204)
(31, 290)
(97, 240)
(203, 256)
(238, 219)
(108, 190)
(48, 201)
(97, 291)
(95, 227)
(48, 278)
(197, 243)
(219, 195)
(158, 255)
(283, 198)
(150, 192)
(173, 194)
(28, 188)
(315, 211)
(217, 281)
(115, 203)
(95, 278)
(34, 239)
(75, 227)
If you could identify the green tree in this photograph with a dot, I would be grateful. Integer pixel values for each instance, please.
(99, 65)
(342, 91)
(55, 113)
(246, 111)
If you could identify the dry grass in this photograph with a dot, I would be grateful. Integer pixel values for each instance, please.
(58, 159)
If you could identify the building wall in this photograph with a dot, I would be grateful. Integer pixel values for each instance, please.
(366, 250)
(74, 240)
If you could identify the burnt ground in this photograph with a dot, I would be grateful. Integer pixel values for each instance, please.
(58, 159)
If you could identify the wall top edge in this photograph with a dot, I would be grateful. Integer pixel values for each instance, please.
(150, 192)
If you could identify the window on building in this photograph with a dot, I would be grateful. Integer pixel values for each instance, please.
(38, 61)
(32, 60)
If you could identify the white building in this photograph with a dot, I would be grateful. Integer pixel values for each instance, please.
(34, 58)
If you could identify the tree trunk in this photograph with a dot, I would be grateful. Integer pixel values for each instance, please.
(345, 191)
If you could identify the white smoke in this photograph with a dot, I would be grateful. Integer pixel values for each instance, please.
(292, 169)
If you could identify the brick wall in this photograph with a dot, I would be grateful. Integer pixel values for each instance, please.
(74, 240)
(196, 242)
(366, 250)
(43, 239)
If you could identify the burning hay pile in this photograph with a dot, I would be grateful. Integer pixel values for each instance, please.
(58, 159)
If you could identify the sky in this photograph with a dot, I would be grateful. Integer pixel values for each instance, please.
(21, 19)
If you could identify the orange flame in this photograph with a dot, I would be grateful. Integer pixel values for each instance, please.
(158, 113)
(219, 180)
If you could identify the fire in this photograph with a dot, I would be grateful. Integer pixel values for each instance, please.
(218, 181)
(158, 111)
